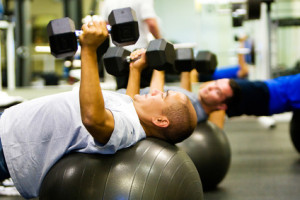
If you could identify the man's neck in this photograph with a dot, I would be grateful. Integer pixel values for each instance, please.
(207, 109)
(142, 120)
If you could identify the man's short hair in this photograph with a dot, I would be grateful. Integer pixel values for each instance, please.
(236, 94)
(181, 125)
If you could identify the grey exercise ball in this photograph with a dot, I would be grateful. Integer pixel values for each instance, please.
(151, 169)
(210, 151)
(295, 130)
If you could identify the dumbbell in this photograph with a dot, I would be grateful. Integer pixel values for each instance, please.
(184, 61)
(236, 38)
(205, 61)
(248, 9)
(245, 10)
(123, 29)
(237, 20)
(160, 55)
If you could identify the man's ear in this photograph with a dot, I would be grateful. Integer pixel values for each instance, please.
(222, 106)
(161, 121)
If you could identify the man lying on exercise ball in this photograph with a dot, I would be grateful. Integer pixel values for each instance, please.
(237, 97)
(243, 97)
(264, 98)
(37, 133)
(215, 96)
(212, 96)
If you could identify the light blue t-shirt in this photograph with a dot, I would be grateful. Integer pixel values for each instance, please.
(201, 114)
(37, 133)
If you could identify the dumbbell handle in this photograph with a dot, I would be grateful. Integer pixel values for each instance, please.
(128, 59)
(243, 51)
(79, 32)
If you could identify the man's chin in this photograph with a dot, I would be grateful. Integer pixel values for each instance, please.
(136, 97)
(201, 96)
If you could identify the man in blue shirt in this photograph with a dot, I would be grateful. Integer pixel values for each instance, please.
(209, 99)
(260, 98)
(268, 97)
(236, 97)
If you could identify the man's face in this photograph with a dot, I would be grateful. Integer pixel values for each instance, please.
(157, 101)
(215, 92)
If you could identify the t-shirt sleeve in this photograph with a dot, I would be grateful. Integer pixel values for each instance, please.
(147, 9)
(104, 10)
(127, 132)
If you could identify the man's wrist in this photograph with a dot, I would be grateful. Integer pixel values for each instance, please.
(88, 49)
(135, 70)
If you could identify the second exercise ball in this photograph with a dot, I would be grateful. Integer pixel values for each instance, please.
(151, 169)
(210, 151)
(295, 130)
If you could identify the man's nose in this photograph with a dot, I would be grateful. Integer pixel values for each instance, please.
(211, 88)
(156, 92)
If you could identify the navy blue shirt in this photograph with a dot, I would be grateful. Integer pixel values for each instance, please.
(254, 99)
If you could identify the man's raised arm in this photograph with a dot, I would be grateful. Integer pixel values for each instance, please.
(157, 81)
(136, 67)
(97, 120)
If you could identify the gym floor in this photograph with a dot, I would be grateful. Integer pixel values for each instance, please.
(264, 164)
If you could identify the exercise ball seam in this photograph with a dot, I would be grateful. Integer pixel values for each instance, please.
(160, 175)
(133, 178)
(151, 169)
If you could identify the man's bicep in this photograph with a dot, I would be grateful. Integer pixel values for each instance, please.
(102, 132)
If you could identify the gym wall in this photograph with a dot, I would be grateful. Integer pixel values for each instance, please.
(184, 23)
(206, 25)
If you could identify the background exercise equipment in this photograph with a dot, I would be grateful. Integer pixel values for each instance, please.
(210, 151)
(23, 41)
(244, 10)
(248, 50)
(160, 56)
(151, 169)
(63, 36)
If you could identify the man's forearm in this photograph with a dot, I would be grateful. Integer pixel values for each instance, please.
(98, 121)
(157, 80)
(194, 76)
(185, 81)
(218, 118)
(134, 81)
(91, 99)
